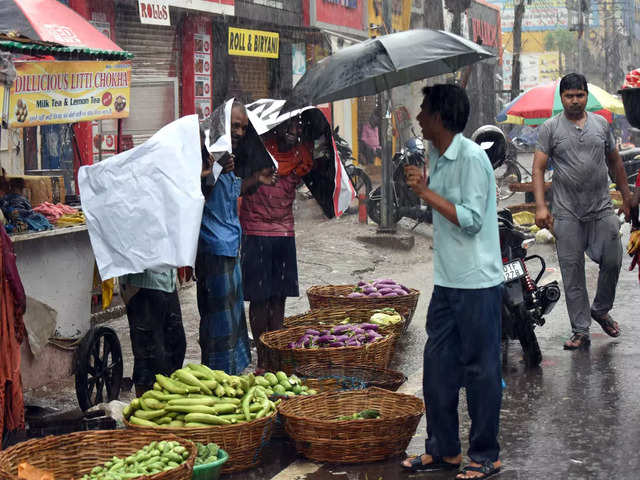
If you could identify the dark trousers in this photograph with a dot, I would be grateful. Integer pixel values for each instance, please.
(157, 335)
(463, 350)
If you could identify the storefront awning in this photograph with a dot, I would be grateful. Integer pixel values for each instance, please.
(47, 27)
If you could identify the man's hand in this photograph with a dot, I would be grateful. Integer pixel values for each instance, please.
(206, 167)
(227, 162)
(415, 179)
(544, 218)
(267, 176)
(626, 209)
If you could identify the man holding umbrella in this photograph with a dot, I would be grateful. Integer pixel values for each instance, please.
(583, 219)
(463, 321)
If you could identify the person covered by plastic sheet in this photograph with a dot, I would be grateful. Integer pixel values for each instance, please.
(370, 139)
(155, 324)
(268, 253)
(464, 317)
(224, 340)
(582, 218)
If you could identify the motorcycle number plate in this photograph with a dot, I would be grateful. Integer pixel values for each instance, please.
(513, 270)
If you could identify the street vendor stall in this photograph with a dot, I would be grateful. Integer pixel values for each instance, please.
(66, 72)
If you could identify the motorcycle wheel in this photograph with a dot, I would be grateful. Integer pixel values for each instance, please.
(373, 206)
(361, 184)
(524, 330)
(506, 174)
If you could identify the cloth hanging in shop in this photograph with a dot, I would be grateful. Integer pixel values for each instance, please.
(12, 333)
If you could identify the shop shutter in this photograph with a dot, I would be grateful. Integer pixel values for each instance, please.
(155, 72)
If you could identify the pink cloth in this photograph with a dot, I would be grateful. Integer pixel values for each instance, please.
(269, 211)
(370, 136)
(54, 212)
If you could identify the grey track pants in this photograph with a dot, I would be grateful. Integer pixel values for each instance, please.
(600, 240)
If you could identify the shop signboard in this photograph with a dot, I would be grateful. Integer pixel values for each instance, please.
(339, 13)
(154, 12)
(202, 73)
(400, 16)
(224, 7)
(484, 26)
(254, 43)
(68, 92)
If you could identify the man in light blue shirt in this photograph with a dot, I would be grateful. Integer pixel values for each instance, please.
(464, 317)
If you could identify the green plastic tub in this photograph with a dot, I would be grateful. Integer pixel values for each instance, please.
(210, 471)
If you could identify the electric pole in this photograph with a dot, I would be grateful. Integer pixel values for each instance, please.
(517, 47)
(580, 34)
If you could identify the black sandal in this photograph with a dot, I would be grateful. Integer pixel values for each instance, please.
(608, 324)
(486, 469)
(437, 464)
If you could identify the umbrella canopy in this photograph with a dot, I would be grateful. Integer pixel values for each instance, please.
(539, 103)
(382, 63)
(51, 21)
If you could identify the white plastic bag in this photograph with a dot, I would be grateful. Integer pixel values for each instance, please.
(144, 206)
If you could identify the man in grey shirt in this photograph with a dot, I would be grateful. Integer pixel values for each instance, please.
(582, 147)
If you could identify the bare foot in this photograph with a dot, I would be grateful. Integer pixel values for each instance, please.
(471, 474)
(427, 459)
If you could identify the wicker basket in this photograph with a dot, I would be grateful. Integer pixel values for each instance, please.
(310, 421)
(75, 454)
(332, 316)
(276, 355)
(330, 378)
(244, 442)
(336, 296)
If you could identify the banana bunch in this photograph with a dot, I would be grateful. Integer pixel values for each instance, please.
(633, 246)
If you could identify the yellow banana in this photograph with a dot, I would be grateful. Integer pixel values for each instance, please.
(634, 242)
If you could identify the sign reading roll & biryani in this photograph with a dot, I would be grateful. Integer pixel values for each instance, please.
(254, 43)
(45, 93)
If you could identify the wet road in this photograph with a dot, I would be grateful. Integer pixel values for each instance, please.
(575, 417)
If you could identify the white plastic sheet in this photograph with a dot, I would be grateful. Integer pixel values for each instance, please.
(144, 206)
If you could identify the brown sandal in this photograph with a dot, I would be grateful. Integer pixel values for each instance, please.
(608, 324)
(577, 340)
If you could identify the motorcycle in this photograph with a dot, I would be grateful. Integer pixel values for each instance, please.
(525, 302)
(405, 202)
(359, 179)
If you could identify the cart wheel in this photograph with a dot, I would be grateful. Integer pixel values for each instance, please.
(98, 367)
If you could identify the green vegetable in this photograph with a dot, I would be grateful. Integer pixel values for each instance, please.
(170, 385)
(189, 379)
(262, 382)
(206, 419)
(150, 414)
(271, 378)
(192, 409)
(279, 390)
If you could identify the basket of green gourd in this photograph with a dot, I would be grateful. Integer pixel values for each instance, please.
(210, 406)
(355, 426)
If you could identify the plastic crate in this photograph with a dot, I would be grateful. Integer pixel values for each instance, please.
(210, 471)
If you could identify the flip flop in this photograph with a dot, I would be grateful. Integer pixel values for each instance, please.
(608, 324)
(437, 464)
(486, 469)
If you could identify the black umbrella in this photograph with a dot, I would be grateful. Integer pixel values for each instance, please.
(382, 63)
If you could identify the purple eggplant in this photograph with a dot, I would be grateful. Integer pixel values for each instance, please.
(326, 339)
(355, 295)
(352, 342)
(375, 295)
(313, 332)
(362, 283)
(340, 329)
(369, 326)
(336, 344)
(341, 338)
(391, 294)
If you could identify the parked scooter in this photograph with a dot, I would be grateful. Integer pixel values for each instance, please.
(359, 179)
(405, 202)
(524, 303)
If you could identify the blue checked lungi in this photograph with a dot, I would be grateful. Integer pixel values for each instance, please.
(224, 340)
